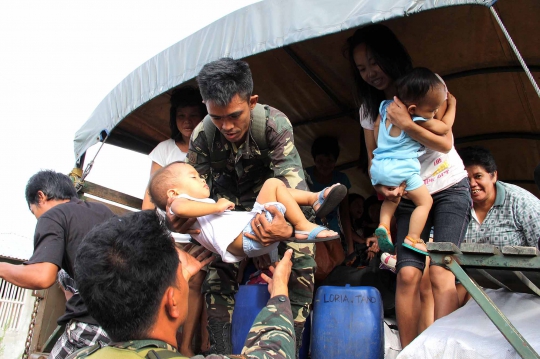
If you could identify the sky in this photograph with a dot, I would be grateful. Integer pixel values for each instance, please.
(59, 60)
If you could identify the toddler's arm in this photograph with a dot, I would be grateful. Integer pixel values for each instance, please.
(185, 208)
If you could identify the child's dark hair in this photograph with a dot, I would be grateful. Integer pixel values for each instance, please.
(413, 86)
(325, 145)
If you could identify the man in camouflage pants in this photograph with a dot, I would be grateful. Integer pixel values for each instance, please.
(235, 162)
(142, 302)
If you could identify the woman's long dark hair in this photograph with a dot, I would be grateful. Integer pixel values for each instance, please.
(390, 55)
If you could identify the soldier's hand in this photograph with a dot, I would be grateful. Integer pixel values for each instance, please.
(279, 283)
(177, 224)
(191, 264)
(269, 232)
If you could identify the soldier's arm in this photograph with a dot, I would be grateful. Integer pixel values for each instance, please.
(272, 332)
(284, 156)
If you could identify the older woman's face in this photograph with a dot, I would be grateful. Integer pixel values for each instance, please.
(482, 184)
(187, 118)
(368, 68)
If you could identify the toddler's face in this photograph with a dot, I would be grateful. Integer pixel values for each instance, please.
(428, 107)
(189, 181)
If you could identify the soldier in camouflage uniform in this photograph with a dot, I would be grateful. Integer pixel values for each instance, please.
(236, 148)
(141, 301)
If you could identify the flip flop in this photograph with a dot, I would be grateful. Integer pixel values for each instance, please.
(413, 246)
(385, 244)
(332, 200)
(312, 236)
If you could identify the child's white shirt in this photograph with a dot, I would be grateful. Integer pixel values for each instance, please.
(218, 231)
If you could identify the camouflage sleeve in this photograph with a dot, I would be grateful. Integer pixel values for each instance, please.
(271, 335)
(272, 332)
(285, 159)
(199, 154)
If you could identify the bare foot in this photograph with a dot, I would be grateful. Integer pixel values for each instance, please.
(187, 352)
(416, 243)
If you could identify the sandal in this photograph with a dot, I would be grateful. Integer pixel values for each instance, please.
(413, 245)
(312, 236)
(388, 261)
(332, 200)
(383, 239)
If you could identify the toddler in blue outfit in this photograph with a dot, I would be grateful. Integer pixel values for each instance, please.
(396, 157)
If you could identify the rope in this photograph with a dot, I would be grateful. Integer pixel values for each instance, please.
(516, 51)
(77, 176)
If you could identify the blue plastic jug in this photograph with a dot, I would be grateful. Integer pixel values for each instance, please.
(347, 323)
(249, 301)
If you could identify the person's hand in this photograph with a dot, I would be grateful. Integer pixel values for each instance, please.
(191, 264)
(373, 247)
(262, 262)
(451, 100)
(398, 115)
(279, 283)
(224, 204)
(269, 232)
(393, 194)
(177, 224)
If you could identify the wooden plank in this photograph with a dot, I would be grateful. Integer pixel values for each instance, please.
(442, 247)
(478, 248)
(519, 251)
(112, 195)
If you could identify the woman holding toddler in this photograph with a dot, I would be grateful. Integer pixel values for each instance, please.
(378, 60)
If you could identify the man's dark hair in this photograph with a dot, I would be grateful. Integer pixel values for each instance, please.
(53, 184)
(220, 80)
(412, 87)
(187, 96)
(123, 268)
(326, 146)
(389, 54)
(478, 156)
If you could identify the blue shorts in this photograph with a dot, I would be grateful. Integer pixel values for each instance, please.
(449, 216)
(253, 248)
(393, 172)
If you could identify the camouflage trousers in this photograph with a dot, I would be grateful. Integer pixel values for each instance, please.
(221, 285)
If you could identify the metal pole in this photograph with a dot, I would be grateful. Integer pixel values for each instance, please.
(516, 51)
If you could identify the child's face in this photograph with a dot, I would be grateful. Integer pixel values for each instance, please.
(188, 181)
(429, 105)
(325, 164)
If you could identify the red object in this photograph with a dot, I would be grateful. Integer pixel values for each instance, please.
(256, 278)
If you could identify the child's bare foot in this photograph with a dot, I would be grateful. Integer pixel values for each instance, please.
(310, 232)
(186, 351)
(416, 245)
(328, 199)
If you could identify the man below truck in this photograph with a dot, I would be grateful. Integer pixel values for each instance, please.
(142, 302)
(63, 221)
